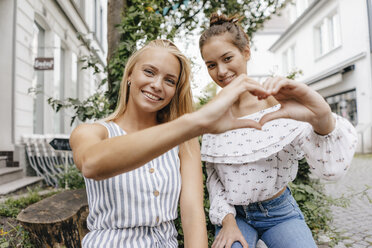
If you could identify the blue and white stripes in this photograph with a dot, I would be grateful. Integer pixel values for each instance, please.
(137, 208)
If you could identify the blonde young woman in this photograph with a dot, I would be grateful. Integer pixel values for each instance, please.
(143, 159)
(248, 169)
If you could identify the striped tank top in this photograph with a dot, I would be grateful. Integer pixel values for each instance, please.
(136, 208)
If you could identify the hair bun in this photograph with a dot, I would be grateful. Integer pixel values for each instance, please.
(219, 19)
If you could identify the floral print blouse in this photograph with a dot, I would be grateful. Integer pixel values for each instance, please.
(249, 165)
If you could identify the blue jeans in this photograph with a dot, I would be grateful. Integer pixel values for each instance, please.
(278, 222)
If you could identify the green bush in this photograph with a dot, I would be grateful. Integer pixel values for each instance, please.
(71, 178)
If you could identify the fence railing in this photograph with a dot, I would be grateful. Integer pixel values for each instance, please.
(47, 162)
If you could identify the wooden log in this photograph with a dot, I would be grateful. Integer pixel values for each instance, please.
(57, 221)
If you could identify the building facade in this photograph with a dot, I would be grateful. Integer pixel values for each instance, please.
(42, 44)
(262, 63)
(330, 42)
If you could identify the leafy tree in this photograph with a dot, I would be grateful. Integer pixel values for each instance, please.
(132, 23)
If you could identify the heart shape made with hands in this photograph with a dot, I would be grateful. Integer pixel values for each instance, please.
(298, 102)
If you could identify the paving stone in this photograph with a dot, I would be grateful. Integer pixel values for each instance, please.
(358, 246)
(369, 239)
(348, 241)
(354, 221)
(362, 242)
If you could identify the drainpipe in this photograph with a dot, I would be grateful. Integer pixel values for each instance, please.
(369, 11)
(13, 69)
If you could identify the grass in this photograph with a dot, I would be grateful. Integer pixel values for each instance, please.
(12, 234)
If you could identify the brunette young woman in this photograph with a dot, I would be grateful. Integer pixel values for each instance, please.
(249, 169)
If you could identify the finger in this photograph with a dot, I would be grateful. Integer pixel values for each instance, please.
(256, 90)
(252, 81)
(215, 242)
(246, 123)
(229, 243)
(248, 84)
(281, 83)
(221, 244)
(270, 84)
(273, 115)
(266, 83)
(243, 242)
(214, 245)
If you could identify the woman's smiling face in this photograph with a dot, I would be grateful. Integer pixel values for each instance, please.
(224, 60)
(154, 80)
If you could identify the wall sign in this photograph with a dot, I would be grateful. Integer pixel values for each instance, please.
(44, 63)
(60, 144)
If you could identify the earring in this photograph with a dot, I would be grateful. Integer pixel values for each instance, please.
(129, 83)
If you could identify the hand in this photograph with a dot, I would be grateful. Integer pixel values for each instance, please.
(229, 233)
(217, 116)
(299, 102)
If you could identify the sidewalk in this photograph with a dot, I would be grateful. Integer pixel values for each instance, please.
(355, 221)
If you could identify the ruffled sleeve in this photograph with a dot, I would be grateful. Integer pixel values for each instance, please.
(330, 156)
(219, 207)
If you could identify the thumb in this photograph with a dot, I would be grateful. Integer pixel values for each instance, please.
(273, 115)
(246, 123)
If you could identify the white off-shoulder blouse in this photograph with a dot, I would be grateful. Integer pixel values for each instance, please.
(249, 165)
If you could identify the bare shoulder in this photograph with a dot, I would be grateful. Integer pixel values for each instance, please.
(93, 131)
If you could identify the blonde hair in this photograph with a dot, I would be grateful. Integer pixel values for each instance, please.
(181, 102)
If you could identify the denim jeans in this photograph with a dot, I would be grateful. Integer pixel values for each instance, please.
(278, 222)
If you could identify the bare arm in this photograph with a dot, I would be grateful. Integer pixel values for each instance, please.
(191, 199)
(99, 158)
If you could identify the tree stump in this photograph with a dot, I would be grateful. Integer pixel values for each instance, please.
(57, 221)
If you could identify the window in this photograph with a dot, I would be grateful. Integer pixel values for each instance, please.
(296, 9)
(344, 104)
(327, 34)
(73, 89)
(289, 60)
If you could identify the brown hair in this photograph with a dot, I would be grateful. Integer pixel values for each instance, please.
(221, 24)
(181, 102)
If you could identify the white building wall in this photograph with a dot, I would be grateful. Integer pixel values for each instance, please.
(23, 109)
(262, 62)
(354, 44)
(6, 70)
(61, 21)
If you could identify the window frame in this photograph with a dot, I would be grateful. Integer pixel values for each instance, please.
(327, 34)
